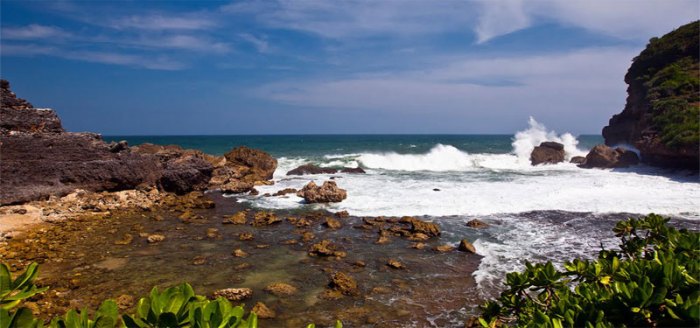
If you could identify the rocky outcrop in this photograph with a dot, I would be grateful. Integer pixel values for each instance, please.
(602, 156)
(548, 152)
(660, 117)
(19, 115)
(327, 193)
(183, 170)
(311, 169)
(241, 169)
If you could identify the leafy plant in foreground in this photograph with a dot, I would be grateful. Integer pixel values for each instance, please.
(652, 280)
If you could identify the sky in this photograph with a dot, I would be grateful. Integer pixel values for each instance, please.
(329, 67)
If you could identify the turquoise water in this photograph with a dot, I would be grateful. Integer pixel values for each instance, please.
(319, 145)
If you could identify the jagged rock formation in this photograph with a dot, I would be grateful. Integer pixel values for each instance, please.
(39, 159)
(326, 193)
(602, 156)
(663, 104)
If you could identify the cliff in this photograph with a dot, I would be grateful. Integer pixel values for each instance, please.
(661, 116)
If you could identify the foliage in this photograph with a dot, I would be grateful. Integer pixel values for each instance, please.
(106, 316)
(669, 69)
(12, 292)
(652, 280)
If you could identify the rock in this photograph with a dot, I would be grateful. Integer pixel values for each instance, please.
(155, 238)
(311, 169)
(262, 311)
(245, 236)
(239, 253)
(444, 248)
(342, 214)
(256, 165)
(602, 156)
(238, 218)
(661, 107)
(332, 223)
(418, 245)
(236, 187)
(351, 170)
(395, 264)
(116, 147)
(234, 294)
(418, 236)
(281, 289)
(307, 236)
(436, 189)
(212, 233)
(477, 224)
(126, 240)
(264, 218)
(184, 174)
(466, 246)
(344, 284)
(547, 152)
(327, 193)
(325, 248)
(285, 191)
(125, 302)
(577, 159)
(199, 260)
(419, 226)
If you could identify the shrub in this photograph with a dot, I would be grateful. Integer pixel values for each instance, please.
(652, 280)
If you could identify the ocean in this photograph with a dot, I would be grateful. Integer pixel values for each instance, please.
(536, 213)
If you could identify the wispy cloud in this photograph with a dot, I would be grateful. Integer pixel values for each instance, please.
(262, 45)
(162, 23)
(32, 31)
(499, 17)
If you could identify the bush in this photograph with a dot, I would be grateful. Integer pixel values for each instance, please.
(652, 280)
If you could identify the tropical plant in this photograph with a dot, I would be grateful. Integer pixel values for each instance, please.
(107, 316)
(652, 280)
(12, 292)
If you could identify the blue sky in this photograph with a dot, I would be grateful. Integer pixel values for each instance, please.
(305, 66)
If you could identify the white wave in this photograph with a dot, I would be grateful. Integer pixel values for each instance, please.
(439, 158)
(525, 141)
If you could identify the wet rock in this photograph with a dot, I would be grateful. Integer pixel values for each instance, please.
(577, 159)
(359, 264)
(239, 253)
(311, 169)
(332, 223)
(444, 248)
(245, 236)
(126, 240)
(327, 193)
(383, 239)
(264, 218)
(285, 191)
(281, 289)
(418, 236)
(254, 192)
(477, 224)
(547, 152)
(242, 266)
(436, 189)
(238, 218)
(602, 156)
(351, 170)
(325, 248)
(419, 226)
(155, 238)
(392, 263)
(307, 236)
(466, 246)
(212, 233)
(124, 302)
(342, 214)
(262, 246)
(299, 222)
(344, 284)
(262, 311)
(199, 260)
(418, 245)
(234, 294)
(236, 187)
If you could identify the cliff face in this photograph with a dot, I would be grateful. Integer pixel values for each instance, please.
(660, 117)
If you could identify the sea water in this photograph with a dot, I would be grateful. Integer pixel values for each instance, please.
(536, 213)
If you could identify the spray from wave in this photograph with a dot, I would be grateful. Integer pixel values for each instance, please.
(443, 158)
(525, 141)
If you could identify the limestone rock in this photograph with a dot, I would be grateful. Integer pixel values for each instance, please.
(327, 193)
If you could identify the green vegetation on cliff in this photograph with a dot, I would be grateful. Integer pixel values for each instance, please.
(669, 69)
(651, 281)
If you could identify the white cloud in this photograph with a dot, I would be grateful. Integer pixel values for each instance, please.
(584, 85)
(499, 17)
(162, 22)
(262, 45)
(32, 31)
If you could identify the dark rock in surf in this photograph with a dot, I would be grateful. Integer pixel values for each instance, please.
(351, 170)
(547, 152)
(577, 160)
(602, 156)
(311, 169)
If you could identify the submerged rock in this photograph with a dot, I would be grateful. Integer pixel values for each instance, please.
(332, 223)
(444, 248)
(238, 218)
(264, 218)
(285, 191)
(548, 152)
(353, 170)
(155, 238)
(234, 294)
(326, 248)
(344, 284)
(327, 193)
(477, 224)
(262, 311)
(280, 289)
(395, 264)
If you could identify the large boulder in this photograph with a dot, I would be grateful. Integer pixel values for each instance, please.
(183, 170)
(548, 152)
(311, 169)
(19, 115)
(327, 193)
(252, 164)
(602, 156)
